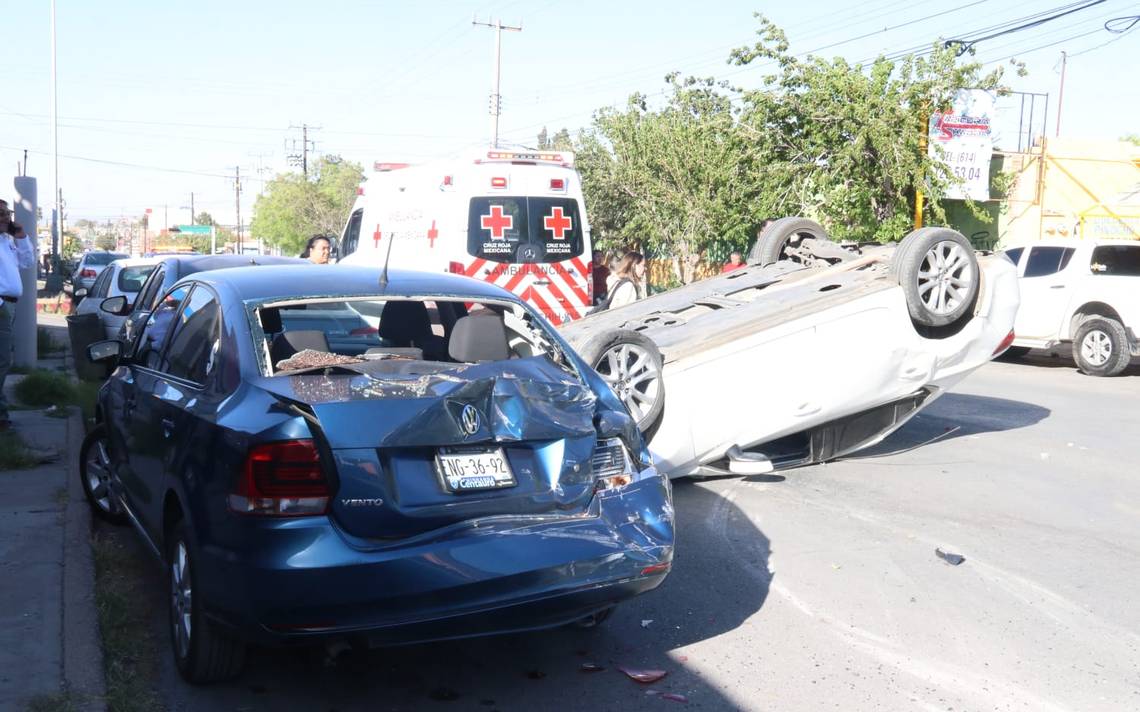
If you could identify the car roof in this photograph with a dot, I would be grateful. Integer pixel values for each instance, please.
(135, 261)
(189, 264)
(305, 280)
(1073, 242)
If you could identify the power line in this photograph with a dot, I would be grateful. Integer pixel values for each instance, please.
(122, 164)
(965, 45)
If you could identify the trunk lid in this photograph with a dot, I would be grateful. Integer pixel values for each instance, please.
(385, 424)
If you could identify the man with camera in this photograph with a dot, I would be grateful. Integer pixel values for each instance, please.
(15, 255)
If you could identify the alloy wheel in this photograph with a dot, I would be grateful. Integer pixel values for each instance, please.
(633, 375)
(1096, 347)
(98, 470)
(181, 592)
(945, 277)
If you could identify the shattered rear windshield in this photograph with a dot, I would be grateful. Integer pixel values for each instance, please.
(397, 337)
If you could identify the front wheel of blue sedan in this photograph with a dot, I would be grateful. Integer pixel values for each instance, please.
(95, 475)
(202, 652)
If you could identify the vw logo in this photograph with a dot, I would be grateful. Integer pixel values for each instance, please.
(469, 420)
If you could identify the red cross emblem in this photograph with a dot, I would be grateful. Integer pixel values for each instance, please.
(557, 223)
(497, 222)
(432, 233)
(376, 236)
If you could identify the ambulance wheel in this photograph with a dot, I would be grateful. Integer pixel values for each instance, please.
(773, 243)
(632, 365)
(938, 272)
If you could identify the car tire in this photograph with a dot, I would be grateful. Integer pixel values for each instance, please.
(202, 651)
(594, 620)
(938, 272)
(775, 238)
(95, 476)
(1101, 347)
(632, 366)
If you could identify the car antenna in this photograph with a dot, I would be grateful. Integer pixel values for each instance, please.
(384, 274)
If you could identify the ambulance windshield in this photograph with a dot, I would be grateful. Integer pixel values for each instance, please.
(524, 229)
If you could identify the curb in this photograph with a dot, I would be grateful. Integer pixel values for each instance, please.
(83, 674)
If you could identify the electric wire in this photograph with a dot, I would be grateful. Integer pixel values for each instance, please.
(966, 44)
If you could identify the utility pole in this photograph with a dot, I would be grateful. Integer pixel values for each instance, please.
(496, 104)
(302, 157)
(57, 235)
(237, 204)
(193, 220)
(1061, 98)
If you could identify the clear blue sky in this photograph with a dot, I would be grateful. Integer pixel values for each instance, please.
(205, 86)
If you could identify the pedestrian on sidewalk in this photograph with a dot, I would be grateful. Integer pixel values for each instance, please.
(735, 261)
(15, 255)
(599, 273)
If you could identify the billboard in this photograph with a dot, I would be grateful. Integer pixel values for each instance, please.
(961, 139)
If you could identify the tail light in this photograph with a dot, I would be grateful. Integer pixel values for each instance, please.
(612, 465)
(282, 479)
(364, 331)
(558, 184)
(1005, 343)
(456, 268)
(87, 272)
(498, 182)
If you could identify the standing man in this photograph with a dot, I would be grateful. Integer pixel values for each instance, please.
(15, 255)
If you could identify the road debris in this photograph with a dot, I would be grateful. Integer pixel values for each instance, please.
(590, 667)
(645, 623)
(643, 676)
(952, 559)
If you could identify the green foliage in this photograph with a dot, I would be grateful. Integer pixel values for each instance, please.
(44, 388)
(292, 207)
(14, 453)
(560, 141)
(1134, 139)
(106, 241)
(841, 143)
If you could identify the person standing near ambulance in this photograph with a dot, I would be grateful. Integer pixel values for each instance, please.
(15, 255)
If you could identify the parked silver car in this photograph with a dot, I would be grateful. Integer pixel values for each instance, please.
(121, 277)
(91, 264)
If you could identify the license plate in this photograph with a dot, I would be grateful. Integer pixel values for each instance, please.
(474, 470)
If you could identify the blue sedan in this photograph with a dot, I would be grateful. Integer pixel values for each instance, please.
(320, 454)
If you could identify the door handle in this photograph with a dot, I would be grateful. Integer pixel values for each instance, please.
(1056, 286)
(167, 427)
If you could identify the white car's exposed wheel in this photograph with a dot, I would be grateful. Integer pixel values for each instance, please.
(938, 272)
(95, 475)
(631, 364)
(202, 652)
(1101, 347)
(773, 243)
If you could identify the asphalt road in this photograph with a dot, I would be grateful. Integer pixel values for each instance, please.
(820, 589)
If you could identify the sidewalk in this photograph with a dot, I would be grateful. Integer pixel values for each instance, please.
(49, 638)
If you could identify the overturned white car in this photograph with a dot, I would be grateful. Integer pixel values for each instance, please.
(813, 351)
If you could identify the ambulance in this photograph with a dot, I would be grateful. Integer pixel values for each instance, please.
(512, 218)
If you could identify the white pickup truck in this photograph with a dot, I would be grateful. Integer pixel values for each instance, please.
(1083, 292)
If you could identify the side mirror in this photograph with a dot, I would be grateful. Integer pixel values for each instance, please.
(80, 293)
(114, 305)
(104, 351)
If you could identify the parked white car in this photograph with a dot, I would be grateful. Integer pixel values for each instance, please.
(1085, 293)
(120, 278)
(811, 352)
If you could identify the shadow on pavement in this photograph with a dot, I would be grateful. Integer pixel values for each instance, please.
(1062, 358)
(720, 578)
(955, 415)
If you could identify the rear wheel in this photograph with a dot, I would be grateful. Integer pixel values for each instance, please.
(95, 475)
(202, 652)
(1101, 347)
(781, 235)
(631, 364)
(938, 272)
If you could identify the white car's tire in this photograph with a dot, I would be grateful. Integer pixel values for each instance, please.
(632, 366)
(1100, 347)
(775, 239)
(938, 272)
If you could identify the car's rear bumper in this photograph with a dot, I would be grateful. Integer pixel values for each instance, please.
(304, 580)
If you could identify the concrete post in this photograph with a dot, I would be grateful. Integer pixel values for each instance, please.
(24, 325)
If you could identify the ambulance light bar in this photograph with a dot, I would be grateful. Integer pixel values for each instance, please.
(564, 159)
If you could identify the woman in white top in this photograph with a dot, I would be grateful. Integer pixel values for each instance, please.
(624, 282)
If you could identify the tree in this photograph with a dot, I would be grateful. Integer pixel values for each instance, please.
(106, 241)
(561, 140)
(837, 142)
(292, 208)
